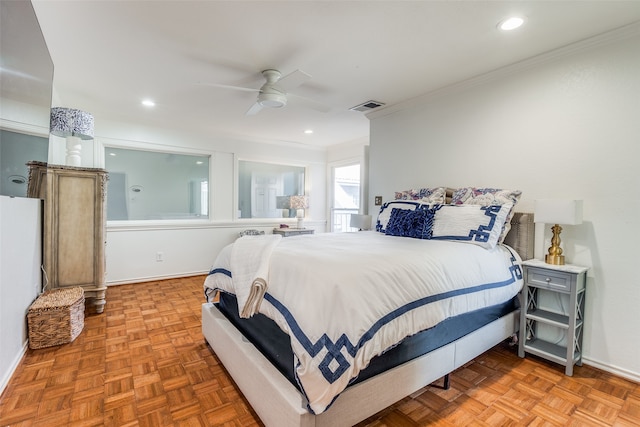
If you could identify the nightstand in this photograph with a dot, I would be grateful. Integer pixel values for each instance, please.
(569, 281)
(288, 232)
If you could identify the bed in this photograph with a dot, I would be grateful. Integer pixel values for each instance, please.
(311, 340)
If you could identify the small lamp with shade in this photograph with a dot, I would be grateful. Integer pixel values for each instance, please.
(553, 211)
(75, 126)
(299, 203)
(361, 222)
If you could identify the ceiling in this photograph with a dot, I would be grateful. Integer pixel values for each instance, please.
(110, 55)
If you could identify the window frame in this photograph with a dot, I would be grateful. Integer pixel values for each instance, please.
(162, 149)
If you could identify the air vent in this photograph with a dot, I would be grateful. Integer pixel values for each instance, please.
(367, 106)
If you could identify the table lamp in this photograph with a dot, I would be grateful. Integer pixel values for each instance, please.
(74, 125)
(361, 222)
(299, 203)
(282, 202)
(555, 211)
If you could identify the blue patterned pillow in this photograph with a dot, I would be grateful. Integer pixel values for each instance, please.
(385, 212)
(480, 225)
(410, 223)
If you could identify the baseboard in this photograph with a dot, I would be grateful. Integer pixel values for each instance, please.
(6, 376)
(152, 278)
(620, 372)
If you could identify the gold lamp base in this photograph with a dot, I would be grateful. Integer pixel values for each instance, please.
(554, 259)
(555, 256)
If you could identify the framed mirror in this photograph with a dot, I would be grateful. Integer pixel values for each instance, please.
(265, 189)
(26, 77)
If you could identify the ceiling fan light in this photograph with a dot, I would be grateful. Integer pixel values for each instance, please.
(272, 100)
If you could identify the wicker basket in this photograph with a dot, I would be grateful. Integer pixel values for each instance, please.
(56, 317)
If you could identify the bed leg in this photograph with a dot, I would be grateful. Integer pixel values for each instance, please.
(445, 383)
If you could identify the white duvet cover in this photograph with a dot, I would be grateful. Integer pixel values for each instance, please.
(344, 298)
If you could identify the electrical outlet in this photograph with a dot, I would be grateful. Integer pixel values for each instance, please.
(159, 256)
(378, 200)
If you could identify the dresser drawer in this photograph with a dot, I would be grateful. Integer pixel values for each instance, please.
(553, 280)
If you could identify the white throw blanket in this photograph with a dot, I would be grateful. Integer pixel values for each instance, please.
(249, 262)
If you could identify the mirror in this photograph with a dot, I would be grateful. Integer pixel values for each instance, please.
(26, 81)
(16, 149)
(264, 189)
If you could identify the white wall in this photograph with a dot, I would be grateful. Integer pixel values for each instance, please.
(347, 151)
(562, 126)
(20, 279)
(20, 246)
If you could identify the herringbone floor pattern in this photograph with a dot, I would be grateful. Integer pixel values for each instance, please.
(143, 362)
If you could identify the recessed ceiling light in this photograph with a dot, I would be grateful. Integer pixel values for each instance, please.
(148, 103)
(511, 23)
(199, 162)
(112, 154)
(308, 131)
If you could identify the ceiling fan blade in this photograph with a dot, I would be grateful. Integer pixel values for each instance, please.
(255, 109)
(293, 80)
(244, 89)
(308, 103)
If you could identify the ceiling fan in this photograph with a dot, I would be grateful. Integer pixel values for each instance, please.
(274, 93)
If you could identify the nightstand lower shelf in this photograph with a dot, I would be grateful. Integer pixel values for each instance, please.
(550, 351)
(550, 318)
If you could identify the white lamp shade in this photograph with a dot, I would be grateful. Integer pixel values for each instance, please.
(361, 222)
(299, 202)
(558, 211)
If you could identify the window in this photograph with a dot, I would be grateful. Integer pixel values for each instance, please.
(263, 189)
(150, 185)
(346, 196)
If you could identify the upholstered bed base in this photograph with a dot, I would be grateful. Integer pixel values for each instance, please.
(280, 404)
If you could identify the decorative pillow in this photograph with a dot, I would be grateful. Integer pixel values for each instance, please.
(385, 212)
(487, 197)
(480, 225)
(410, 223)
(434, 195)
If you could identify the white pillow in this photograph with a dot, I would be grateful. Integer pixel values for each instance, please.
(480, 225)
(486, 197)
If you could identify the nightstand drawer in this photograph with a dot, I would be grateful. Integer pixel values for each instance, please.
(543, 278)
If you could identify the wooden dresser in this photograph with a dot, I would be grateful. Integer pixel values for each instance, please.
(73, 227)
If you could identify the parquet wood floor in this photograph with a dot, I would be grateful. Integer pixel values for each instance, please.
(144, 362)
